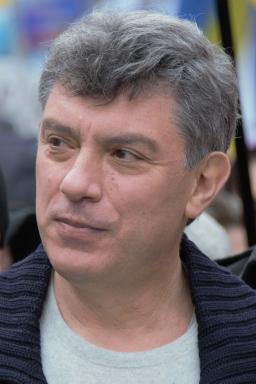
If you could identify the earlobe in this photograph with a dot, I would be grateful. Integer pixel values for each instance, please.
(212, 174)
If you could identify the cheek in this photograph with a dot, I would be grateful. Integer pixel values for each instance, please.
(152, 197)
(139, 195)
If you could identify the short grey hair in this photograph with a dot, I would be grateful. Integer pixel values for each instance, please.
(107, 53)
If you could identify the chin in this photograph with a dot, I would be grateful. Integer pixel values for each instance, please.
(76, 264)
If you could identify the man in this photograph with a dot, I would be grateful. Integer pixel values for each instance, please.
(138, 112)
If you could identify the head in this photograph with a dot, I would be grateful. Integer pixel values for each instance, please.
(138, 112)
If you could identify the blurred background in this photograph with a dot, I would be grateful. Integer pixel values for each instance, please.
(26, 29)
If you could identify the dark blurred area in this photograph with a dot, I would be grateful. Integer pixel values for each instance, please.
(22, 235)
(17, 160)
(18, 229)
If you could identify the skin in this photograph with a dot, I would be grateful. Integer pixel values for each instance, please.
(113, 197)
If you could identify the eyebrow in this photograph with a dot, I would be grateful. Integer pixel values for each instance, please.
(121, 139)
(54, 125)
(129, 139)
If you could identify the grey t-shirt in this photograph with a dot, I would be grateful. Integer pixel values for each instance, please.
(67, 358)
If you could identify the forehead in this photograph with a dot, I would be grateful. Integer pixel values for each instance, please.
(60, 97)
(150, 115)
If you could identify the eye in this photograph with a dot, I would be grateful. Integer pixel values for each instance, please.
(56, 142)
(126, 155)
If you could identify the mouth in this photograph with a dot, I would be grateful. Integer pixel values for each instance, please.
(78, 224)
(77, 229)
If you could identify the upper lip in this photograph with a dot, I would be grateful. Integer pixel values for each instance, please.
(78, 223)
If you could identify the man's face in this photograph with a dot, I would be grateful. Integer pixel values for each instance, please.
(111, 185)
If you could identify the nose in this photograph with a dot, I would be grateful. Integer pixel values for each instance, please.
(83, 180)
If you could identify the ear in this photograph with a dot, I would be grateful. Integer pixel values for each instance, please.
(211, 175)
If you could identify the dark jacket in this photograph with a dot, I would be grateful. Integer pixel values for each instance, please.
(225, 309)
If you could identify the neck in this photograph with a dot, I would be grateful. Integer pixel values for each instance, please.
(151, 313)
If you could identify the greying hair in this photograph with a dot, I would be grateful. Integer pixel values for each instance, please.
(107, 53)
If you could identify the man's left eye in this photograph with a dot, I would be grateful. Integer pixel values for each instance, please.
(125, 154)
